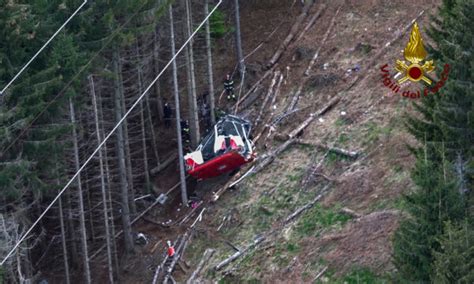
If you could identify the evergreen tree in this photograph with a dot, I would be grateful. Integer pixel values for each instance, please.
(434, 201)
(455, 261)
(449, 115)
(424, 247)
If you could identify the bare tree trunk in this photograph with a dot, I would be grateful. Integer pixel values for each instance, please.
(82, 221)
(152, 130)
(147, 105)
(128, 155)
(193, 108)
(127, 228)
(102, 183)
(238, 40)
(63, 234)
(156, 66)
(143, 130)
(184, 194)
(109, 191)
(89, 209)
(72, 231)
(212, 102)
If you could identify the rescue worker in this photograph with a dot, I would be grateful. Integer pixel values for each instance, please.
(185, 134)
(171, 251)
(229, 88)
(167, 114)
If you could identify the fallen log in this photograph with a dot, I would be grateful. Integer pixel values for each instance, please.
(160, 267)
(267, 159)
(295, 99)
(205, 259)
(267, 125)
(344, 152)
(267, 97)
(248, 168)
(238, 254)
(165, 164)
(253, 88)
(186, 218)
(311, 172)
(311, 22)
(306, 207)
(294, 29)
(313, 60)
(177, 256)
(350, 212)
(277, 92)
(320, 273)
(312, 116)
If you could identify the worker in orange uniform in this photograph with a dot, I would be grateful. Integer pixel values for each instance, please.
(171, 250)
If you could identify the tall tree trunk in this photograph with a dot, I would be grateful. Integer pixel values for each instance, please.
(128, 155)
(85, 253)
(89, 209)
(192, 97)
(127, 228)
(102, 183)
(72, 231)
(184, 195)
(147, 105)
(156, 66)
(63, 234)
(238, 40)
(209, 65)
(109, 192)
(143, 130)
(152, 131)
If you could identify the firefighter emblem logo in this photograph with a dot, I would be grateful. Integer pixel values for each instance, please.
(414, 68)
(415, 53)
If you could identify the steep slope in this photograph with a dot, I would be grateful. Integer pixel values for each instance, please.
(328, 241)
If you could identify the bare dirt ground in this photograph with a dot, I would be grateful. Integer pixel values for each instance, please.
(368, 119)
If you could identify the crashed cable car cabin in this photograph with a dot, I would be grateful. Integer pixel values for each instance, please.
(223, 150)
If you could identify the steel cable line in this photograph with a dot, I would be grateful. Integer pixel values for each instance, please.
(110, 134)
(68, 84)
(42, 48)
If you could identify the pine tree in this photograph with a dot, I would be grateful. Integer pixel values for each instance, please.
(444, 173)
(449, 115)
(454, 263)
(434, 201)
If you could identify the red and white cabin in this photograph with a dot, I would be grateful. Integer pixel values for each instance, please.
(223, 150)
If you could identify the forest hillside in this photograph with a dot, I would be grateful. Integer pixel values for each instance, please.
(351, 181)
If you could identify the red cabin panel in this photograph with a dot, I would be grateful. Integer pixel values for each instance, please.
(219, 165)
